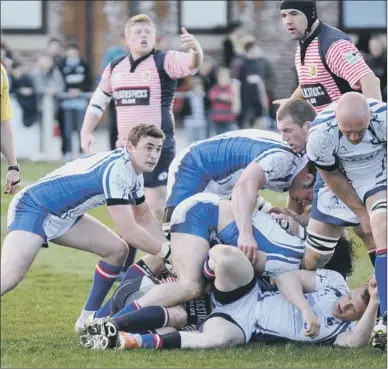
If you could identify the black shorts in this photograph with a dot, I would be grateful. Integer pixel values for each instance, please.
(158, 177)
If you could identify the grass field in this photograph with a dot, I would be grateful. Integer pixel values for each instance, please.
(37, 318)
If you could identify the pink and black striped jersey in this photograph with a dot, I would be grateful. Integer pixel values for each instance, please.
(143, 90)
(328, 65)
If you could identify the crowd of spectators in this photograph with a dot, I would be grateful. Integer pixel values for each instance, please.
(233, 92)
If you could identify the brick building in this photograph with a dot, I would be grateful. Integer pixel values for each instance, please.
(99, 24)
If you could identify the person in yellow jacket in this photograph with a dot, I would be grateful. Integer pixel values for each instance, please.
(7, 143)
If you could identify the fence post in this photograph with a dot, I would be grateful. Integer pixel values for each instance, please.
(47, 125)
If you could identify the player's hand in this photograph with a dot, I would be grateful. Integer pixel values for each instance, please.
(86, 140)
(188, 41)
(312, 326)
(12, 182)
(280, 102)
(280, 212)
(372, 289)
(248, 246)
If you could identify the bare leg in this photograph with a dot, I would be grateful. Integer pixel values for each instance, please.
(188, 253)
(19, 251)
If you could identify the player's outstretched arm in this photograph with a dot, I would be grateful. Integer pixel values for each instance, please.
(360, 335)
(131, 232)
(145, 219)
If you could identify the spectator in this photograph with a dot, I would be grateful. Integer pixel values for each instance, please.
(24, 90)
(76, 72)
(254, 100)
(266, 71)
(231, 46)
(110, 54)
(225, 100)
(377, 61)
(193, 111)
(48, 78)
(208, 73)
(54, 48)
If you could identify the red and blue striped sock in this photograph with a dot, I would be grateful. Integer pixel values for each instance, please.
(207, 271)
(104, 277)
(381, 277)
(133, 306)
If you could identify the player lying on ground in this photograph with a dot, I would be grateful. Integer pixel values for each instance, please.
(215, 165)
(348, 144)
(54, 209)
(204, 220)
(149, 272)
(310, 306)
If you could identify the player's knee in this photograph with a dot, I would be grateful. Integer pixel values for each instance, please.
(117, 251)
(318, 250)
(224, 256)
(191, 288)
(9, 281)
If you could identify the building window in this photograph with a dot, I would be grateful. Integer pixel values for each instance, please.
(204, 16)
(19, 17)
(367, 15)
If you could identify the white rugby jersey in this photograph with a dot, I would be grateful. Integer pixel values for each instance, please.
(276, 318)
(330, 149)
(84, 184)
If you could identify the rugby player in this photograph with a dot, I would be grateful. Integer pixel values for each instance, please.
(327, 62)
(6, 134)
(310, 306)
(348, 144)
(142, 85)
(204, 220)
(53, 209)
(216, 164)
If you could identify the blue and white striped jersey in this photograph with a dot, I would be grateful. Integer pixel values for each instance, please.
(276, 318)
(84, 184)
(222, 158)
(330, 149)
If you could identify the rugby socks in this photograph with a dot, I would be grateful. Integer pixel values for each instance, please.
(133, 306)
(133, 272)
(381, 277)
(144, 319)
(104, 277)
(372, 257)
(153, 341)
(130, 258)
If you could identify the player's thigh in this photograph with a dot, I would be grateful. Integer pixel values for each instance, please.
(91, 235)
(219, 332)
(231, 267)
(18, 252)
(324, 229)
(188, 253)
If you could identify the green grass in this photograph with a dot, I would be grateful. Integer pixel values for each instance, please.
(38, 317)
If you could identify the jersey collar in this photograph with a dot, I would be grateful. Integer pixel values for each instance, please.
(305, 44)
(135, 63)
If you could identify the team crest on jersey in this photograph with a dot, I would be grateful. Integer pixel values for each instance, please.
(352, 57)
(313, 72)
(146, 75)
